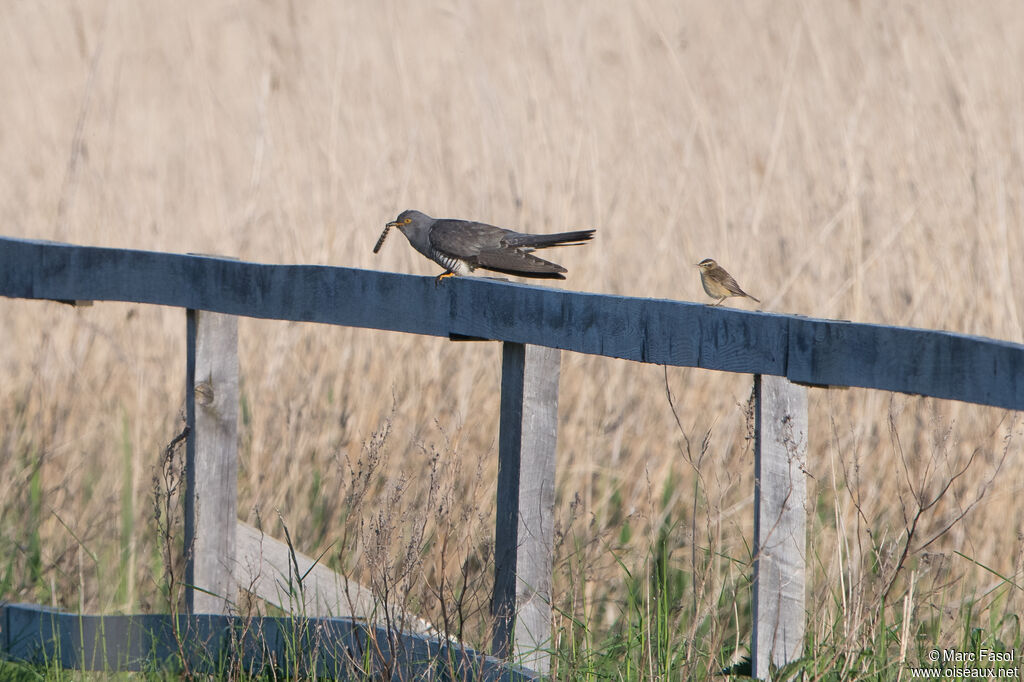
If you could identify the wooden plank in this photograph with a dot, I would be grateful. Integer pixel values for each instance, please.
(917, 361)
(211, 497)
(818, 352)
(305, 293)
(292, 647)
(780, 495)
(525, 508)
(265, 567)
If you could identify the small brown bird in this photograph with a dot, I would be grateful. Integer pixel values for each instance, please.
(718, 283)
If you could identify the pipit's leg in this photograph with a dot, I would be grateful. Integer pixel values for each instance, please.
(719, 301)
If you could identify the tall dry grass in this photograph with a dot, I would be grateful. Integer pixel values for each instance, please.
(860, 160)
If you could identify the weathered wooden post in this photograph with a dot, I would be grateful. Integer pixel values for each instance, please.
(780, 491)
(521, 605)
(211, 461)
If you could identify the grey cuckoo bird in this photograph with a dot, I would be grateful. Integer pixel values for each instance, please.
(462, 246)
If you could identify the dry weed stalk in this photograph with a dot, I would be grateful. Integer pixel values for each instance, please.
(168, 515)
(933, 500)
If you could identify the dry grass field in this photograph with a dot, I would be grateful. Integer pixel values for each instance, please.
(856, 160)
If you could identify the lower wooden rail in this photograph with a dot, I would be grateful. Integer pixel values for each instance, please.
(214, 644)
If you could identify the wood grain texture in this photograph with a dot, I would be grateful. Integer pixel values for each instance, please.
(211, 499)
(805, 350)
(265, 568)
(322, 647)
(525, 507)
(307, 293)
(780, 518)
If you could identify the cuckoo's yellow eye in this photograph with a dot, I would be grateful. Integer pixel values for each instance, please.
(407, 221)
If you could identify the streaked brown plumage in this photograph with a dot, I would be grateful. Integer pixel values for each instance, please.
(718, 283)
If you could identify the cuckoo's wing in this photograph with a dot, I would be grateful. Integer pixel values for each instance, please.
(465, 239)
(515, 262)
(493, 248)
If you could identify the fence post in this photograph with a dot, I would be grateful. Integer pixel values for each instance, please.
(780, 493)
(521, 605)
(211, 461)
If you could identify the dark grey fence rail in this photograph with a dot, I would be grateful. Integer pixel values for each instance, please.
(213, 644)
(804, 350)
(785, 353)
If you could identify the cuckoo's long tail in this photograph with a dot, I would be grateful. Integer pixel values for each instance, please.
(543, 241)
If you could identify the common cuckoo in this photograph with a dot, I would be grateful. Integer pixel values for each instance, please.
(462, 246)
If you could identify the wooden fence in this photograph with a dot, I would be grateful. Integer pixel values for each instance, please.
(785, 353)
